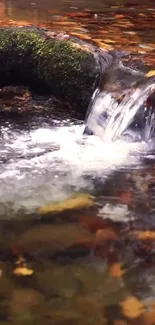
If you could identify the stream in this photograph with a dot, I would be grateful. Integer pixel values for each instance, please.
(65, 262)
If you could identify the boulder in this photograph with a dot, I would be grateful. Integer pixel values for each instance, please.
(56, 64)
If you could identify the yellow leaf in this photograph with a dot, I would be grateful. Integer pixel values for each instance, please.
(110, 41)
(76, 202)
(132, 307)
(23, 271)
(151, 73)
(116, 270)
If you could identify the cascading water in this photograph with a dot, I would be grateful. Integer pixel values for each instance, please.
(47, 159)
(110, 117)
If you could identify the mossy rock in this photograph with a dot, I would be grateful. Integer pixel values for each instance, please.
(58, 66)
(65, 67)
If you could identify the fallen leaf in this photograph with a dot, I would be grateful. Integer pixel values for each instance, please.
(110, 41)
(132, 307)
(142, 15)
(151, 73)
(149, 317)
(106, 234)
(76, 202)
(119, 16)
(145, 235)
(116, 270)
(23, 271)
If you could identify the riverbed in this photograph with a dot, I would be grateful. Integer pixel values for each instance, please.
(89, 260)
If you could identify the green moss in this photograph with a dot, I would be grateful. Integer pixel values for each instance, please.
(65, 70)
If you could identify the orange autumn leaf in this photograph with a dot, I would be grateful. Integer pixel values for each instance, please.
(145, 235)
(82, 36)
(116, 270)
(106, 234)
(119, 16)
(79, 14)
(132, 307)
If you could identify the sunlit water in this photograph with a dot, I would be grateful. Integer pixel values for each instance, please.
(47, 163)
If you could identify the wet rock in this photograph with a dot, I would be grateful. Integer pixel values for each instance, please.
(10, 92)
(66, 68)
(26, 298)
(90, 308)
(24, 304)
(56, 281)
(49, 239)
(6, 283)
(64, 318)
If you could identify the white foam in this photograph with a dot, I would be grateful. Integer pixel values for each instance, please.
(54, 175)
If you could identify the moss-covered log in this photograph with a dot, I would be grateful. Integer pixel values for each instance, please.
(62, 66)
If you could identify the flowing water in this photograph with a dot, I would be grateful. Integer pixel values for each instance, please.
(92, 264)
(109, 118)
(49, 162)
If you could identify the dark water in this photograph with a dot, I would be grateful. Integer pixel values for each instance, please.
(80, 263)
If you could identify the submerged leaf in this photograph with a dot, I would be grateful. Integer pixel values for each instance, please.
(106, 234)
(116, 270)
(76, 202)
(145, 235)
(23, 271)
(132, 307)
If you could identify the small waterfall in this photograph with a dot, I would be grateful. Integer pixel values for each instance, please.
(111, 117)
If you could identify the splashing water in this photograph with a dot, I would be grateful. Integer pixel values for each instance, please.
(47, 160)
(109, 119)
(47, 163)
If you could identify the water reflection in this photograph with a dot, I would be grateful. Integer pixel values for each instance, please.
(109, 25)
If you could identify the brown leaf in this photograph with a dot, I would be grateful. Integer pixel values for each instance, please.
(106, 234)
(116, 270)
(92, 223)
(132, 307)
